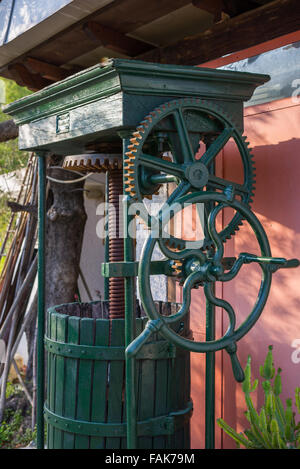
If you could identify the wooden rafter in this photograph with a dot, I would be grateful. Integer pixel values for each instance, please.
(128, 15)
(230, 7)
(23, 77)
(47, 70)
(256, 26)
(115, 40)
(121, 15)
(215, 7)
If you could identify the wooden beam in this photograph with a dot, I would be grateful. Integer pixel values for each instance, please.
(115, 40)
(214, 7)
(47, 70)
(23, 77)
(121, 15)
(230, 7)
(128, 15)
(249, 29)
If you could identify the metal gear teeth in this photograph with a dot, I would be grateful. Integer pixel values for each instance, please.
(177, 267)
(139, 134)
(93, 162)
(172, 244)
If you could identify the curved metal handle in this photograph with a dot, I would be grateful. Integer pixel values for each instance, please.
(202, 269)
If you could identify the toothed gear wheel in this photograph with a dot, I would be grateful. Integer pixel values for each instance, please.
(176, 128)
(94, 163)
(177, 267)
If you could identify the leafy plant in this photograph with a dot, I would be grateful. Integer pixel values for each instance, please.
(11, 389)
(12, 433)
(274, 426)
(10, 156)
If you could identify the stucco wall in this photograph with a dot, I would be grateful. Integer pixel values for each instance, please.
(273, 132)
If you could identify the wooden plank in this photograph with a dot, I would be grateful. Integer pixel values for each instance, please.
(61, 335)
(123, 16)
(259, 25)
(52, 380)
(48, 70)
(115, 40)
(84, 383)
(230, 7)
(71, 370)
(161, 397)
(116, 383)
(23, 77)
(146, 396)
(49, 362)
(128, 15)
(140, 326)
(100, 381)
(179, 387)
(214, 7)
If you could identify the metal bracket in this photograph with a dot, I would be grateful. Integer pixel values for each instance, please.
(158, 350)
(130, 269)
(155, 426)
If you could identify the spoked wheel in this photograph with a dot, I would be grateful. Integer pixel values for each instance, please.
(199, 268)
(165, 148)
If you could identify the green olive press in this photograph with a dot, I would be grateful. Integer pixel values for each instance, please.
(130, 387)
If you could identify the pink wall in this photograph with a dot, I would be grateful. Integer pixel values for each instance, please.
(273, 132)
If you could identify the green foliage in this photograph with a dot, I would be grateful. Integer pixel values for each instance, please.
(12, 434)
(273, 426)
(10, 157)
(14, 431)
(12, 389)
(4, 213)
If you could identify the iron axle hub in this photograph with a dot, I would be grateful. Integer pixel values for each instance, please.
(197, 174)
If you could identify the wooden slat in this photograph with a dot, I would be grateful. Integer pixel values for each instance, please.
(71, 380)
(215, 7)
(49, 360)
(100, 380)
(230, 7)
(128, 15)
(161, 397)
(23, 77)
(123, 16)
(259, 25)
(179, 385)
(61, 333)
(140, 326)
(84, 382)
(52, 380)
(116, 383)
(48, 70)
(115, 40)
(146, 397)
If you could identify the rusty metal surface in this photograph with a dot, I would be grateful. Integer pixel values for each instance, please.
(97, 162)
(116, 242)
(111, 163)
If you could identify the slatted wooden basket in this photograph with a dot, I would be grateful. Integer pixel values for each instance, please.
(86, 406)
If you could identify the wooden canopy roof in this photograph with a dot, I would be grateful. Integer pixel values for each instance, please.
(164, 31)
